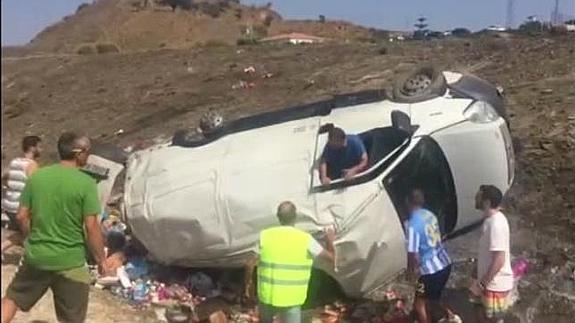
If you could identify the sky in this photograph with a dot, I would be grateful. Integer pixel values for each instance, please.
(20, 24)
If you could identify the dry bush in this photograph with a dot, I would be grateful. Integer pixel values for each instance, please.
(86, 49)
(104, 48)
(82, 7)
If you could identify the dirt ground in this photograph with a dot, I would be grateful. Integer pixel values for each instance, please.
(148, 95)
(103, 307)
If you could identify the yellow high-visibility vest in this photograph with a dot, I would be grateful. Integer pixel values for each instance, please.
(284, 267)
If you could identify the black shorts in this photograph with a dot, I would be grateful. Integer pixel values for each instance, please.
(70, 289)
(431, 286)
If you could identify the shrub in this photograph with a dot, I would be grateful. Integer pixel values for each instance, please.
(379, 34)
(183, 4)
(533, 28)
(268, 20)
(215, 43)
(211, 9)
(244, 41)
(238, 13)
(86, 49)
(260, 31)
(82, 7)
(461, 32)
(103, 48)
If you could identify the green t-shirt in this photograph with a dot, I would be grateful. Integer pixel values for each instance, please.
(59, 198)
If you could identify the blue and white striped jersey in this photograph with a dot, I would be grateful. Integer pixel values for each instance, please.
(424, 238)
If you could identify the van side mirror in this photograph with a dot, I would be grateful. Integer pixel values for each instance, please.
(401, 121)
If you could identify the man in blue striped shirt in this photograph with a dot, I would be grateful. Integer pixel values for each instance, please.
(427, 258)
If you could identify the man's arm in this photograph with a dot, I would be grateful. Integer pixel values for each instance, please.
(329, 251)
(96, 240)
(350, 173)
(23, 218)
(316, 250)
(249, 267)
(323, 172)
(5, 179)
(32, 167)
(413, 241)
(413, 263)
(497, 262)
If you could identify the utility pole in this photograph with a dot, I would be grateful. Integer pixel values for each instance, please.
(555, 16)
(510, 14)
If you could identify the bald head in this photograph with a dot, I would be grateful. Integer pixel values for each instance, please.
(286, 213)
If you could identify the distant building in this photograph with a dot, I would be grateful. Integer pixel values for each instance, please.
(496, 28)
(398, 35)
(294, 38)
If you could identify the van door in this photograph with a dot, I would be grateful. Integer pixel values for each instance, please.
(477, 155)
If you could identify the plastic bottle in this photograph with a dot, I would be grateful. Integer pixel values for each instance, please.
(140, 291)
(520, 268)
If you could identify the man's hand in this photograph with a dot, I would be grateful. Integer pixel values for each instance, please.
(413, 274)
(105, 270)
(330, 235)
(348, 174)
(475, 288)
(96, 241)
(325, 180)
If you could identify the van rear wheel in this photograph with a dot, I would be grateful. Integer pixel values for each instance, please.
(421, 84)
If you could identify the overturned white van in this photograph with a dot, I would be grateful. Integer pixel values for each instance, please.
(203, 203)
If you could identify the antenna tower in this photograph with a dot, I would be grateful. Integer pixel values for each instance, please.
(555, 16)
(510, 14)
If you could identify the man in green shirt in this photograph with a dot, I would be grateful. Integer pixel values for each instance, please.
(58, 215)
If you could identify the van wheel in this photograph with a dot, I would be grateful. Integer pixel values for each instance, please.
(421, 84)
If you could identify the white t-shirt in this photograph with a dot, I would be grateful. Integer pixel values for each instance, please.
(495, 237)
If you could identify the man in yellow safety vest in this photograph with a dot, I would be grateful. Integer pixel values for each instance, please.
(285, 261)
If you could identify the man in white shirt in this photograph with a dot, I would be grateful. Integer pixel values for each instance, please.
(14, 180)
(494, 281)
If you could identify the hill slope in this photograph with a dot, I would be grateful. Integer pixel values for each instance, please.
(131, 27)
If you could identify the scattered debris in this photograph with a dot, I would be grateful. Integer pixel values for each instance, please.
(202, 285)
(250, 70)
(243, 85)
(308, 84)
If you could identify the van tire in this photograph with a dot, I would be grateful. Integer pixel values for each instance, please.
(421, 84)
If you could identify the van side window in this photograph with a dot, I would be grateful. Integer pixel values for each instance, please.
(379, 144)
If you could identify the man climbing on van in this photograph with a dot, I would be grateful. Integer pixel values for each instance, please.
(285, 261)
(343, 156)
